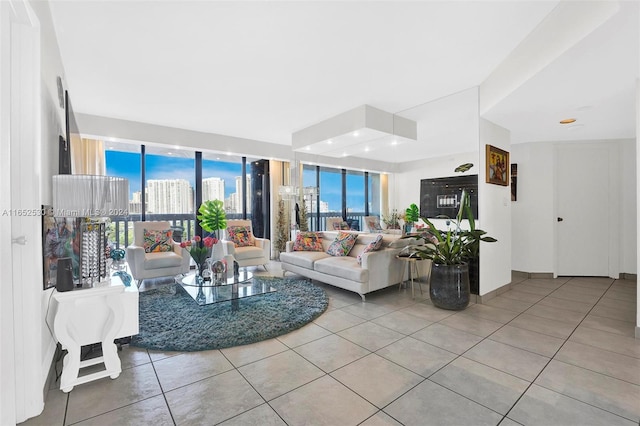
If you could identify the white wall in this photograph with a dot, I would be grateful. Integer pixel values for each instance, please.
(494, 210)
(534, 213)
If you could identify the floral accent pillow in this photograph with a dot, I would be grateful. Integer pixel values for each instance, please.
(343, 244)
(157, 241)
(372, 246)
(308, 241)
(374, 225)
(337, 226)
(241, 236)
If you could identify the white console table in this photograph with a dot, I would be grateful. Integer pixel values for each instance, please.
(100, 314)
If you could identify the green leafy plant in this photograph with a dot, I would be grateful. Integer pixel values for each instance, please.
(412, 213)
(212, 216)
(392, 220)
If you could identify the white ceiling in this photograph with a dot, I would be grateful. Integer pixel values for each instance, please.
(263, 70)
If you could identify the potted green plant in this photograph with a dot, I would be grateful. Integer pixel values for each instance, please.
(450, 253)
(411, 216)
(212, 219)
(212, 216)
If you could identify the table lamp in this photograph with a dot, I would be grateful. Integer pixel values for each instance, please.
(90, 199)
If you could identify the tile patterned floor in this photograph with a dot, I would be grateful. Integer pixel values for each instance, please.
(547, 352)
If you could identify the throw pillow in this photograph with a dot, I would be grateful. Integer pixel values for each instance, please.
(337, 226)
(374, 225)
(240, 236)
(308, 241)
(372, 246)
(156, 241)
(343, 244)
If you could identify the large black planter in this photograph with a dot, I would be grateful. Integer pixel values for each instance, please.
(449, 287)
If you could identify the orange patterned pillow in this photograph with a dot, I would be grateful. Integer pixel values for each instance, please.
(308, 241)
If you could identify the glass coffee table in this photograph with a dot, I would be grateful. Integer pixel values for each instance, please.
(231, 289)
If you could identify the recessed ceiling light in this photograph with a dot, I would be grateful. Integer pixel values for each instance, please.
(329, 141)
(308, 148)
(366, 149)
(356, 133)
(169, 153)
(394, 142)
(568, 121)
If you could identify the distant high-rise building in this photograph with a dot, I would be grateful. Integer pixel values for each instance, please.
(213, 189)
(239, 195)
(135, 204)
(169, 196)
(311, 206)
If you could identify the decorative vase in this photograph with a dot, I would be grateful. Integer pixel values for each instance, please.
(216, 252)
(449, 286)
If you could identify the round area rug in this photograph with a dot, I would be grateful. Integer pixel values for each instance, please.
(170, 320)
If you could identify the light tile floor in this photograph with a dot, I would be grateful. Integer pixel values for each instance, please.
(548, 352)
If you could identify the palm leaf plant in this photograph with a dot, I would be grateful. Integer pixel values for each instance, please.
(212, 216)
(412, 214)
(456, 245)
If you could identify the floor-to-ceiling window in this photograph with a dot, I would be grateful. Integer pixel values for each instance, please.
(169, 190)
(355, 198)
(123, 160)
(350, 194)
(222, 180)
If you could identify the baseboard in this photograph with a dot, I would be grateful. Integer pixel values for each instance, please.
(493, 293)
(627, 276)
(637, 332)
(532, 275)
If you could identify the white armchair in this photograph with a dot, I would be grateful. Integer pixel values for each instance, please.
(252, 255)
(155, 264)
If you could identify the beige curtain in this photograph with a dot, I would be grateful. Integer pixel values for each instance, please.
(87, 157)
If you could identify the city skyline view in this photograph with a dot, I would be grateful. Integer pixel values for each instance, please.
(160, 167)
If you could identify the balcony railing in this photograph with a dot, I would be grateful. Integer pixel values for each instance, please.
(122, 235)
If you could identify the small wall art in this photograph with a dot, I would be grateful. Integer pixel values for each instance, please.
(514, 182)
(497, 166)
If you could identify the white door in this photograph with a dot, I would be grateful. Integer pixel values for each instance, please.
(583, 209)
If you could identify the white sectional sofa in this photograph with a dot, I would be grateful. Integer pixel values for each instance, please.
(379, 268)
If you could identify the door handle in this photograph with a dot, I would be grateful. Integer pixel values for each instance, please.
(22, 240)
(560, 219)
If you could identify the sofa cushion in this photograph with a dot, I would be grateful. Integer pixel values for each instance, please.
(161, 260)
(304, 259)
(344, 267)
(241, 236)
(308, 241)
(372, 246)
(157, 241)
(342, 244)
(248, 252)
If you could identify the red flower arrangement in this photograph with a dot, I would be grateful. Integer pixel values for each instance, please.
(198, 248)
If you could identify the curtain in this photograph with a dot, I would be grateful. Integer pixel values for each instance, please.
(87, 157)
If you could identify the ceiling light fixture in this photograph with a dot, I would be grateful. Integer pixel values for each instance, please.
(568, 121)
(364, 125)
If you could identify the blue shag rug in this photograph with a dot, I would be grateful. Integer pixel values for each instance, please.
(170, 320)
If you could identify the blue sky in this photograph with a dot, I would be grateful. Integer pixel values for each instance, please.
(127, 165)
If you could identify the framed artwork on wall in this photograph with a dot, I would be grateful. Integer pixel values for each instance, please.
(497, 166)
(514, 182)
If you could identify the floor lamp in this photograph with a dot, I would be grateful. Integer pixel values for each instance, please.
(90, 199)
